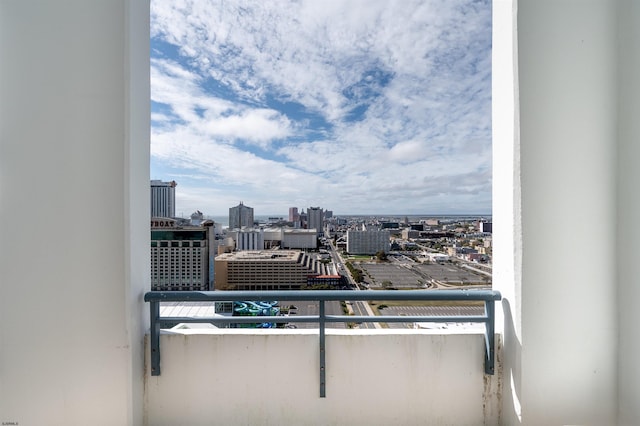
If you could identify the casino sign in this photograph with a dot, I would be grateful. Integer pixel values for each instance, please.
(162, 222)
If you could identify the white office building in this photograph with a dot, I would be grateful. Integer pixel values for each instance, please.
(299, 239)
(163, 198)
(368, 242)
(250, 240)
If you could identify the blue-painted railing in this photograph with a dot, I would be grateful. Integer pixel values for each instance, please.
(489, 298)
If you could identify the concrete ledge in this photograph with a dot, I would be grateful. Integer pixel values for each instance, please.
(374, 377)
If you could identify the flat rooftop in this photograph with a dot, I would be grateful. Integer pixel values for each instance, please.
(261, 255)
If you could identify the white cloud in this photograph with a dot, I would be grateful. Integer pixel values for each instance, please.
(255, 125)
(408, 151)
(404, 88)
(178, 88)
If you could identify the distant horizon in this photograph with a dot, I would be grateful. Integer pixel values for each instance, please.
(379, 215)
(352, 214)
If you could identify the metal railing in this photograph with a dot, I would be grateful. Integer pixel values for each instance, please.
(489, 298)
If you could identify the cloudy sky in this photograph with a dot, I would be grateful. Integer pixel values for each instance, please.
(358, 106)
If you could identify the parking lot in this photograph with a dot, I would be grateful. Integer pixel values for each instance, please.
(313, 308)
(448, 272)
(400, 276)
(419, 275)
(429, 311)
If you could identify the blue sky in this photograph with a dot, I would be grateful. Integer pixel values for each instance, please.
(358, 106)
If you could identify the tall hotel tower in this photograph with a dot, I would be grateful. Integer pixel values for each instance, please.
(182, 257)
(315, 219)
(294, 217)
(293, 214)
(240, 216)
(163, 198)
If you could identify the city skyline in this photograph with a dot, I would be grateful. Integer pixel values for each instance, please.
(366, 106)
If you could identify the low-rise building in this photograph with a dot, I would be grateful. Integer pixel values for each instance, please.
(266, 270)
(437, 257)
(410, 234)
(249, 239)
(300, 239)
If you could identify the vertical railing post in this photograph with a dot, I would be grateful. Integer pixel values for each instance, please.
(322, 351)
(154, 308)
(489, 362)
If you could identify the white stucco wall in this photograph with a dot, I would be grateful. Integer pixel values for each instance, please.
(567, 91)
(565, 362)
(507, 232)
(74, 167)
(628, 231)
(271, 377)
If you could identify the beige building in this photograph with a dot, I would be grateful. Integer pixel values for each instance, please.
(266, 270)
(181, 257)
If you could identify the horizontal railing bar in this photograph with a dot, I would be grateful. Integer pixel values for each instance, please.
(488, 297)
(239, 319)
(328, 318)
(317, 295)
(382, 318)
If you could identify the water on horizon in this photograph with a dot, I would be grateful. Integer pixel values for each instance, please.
(263, 218)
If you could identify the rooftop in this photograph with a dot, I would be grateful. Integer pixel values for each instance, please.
(261, 255)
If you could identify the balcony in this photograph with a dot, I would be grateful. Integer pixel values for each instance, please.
(272, 376)
(74, 163)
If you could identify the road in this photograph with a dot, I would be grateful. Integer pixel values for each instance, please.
(360, 308)
(480, 271)
(307, 308)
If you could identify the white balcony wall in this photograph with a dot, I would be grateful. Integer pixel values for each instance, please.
(271, 377)
(74, 210)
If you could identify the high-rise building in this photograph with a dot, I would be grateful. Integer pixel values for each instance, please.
(303, 219)
(240, 216)
(315, 219)
(182, 257)
(293, 214)
(163, 198)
